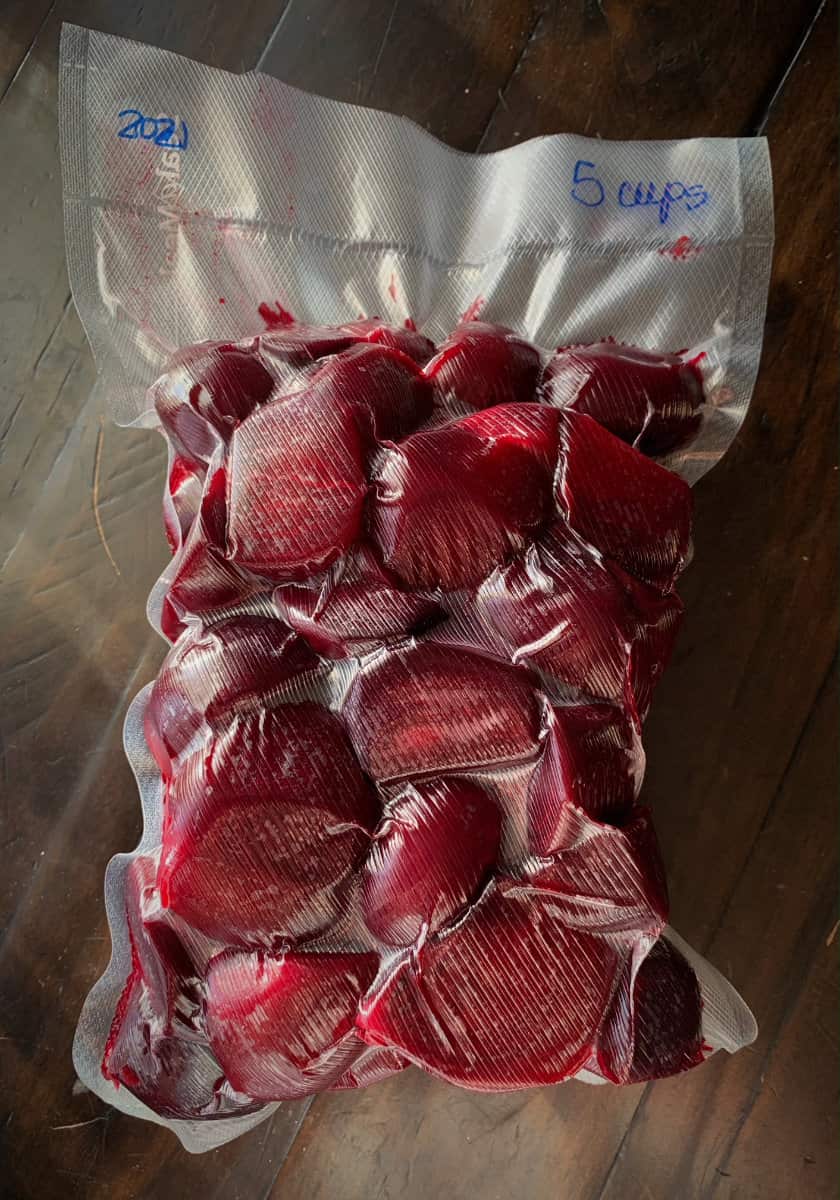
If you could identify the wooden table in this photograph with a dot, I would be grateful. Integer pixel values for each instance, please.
(741, 743)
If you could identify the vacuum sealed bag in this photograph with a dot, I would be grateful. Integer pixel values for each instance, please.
(432, 422)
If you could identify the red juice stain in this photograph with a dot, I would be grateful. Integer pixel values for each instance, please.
(275, 316)
(221, 299)
(409, 323)
(472, 311)
(392, 288)
(682, 249)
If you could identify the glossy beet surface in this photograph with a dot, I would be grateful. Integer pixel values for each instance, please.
(480, 365)
(263, 823)
(420, 601)
(451, 503)
(651, 400)
(436, 845)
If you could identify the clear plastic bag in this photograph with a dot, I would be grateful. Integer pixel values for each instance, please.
(372, 601)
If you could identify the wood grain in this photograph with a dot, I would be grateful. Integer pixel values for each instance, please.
(741, 760)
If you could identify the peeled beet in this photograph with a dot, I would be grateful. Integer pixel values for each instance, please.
(654, 622)
(435, 846)
(650, 400)
(432, 708)
(263, 824)
(402, 338)
(605, 878)
(237, 665)
(299, 346)
(630, 509)
(560, 610)
(510, 998)
(592, 758)
(203, 579)
(156, 1046)
(383, 386)
(295, 487)
(283, 1025)
(201, 400)
(480, 365)
(354, 609)
(452, 503)
(653, 1027)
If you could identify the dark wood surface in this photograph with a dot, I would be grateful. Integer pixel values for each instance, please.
(742, 740)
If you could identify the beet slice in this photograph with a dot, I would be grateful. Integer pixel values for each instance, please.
(480, 365)
(238, 664)
(263, 825)
(381, 384)
(433, 708)
(295, 487)
(606, 879)
(202, 399)
(452, 503)
(204, 580)
(629, 508)
(559, 610)
(592, 759)
(354, 609)
(650, 400)
(653, 1028)
(510, 998)
(283, 1025)
(156, 1046)
(407, 340)
(300, 345)
(434, 848)
(654, 623)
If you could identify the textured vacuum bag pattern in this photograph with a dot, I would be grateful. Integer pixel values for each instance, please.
(422, 584)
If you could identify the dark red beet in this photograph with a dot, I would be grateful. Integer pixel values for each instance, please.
(510, 998)
(156, 1047)
(435, 846)
(408, 340)
(657, 1032)
(452, 503)
(606, 879)
(561, 611)
(263, 825)
(301, 345)
(171, 625)
(629, 508)
(650, 400)
(354, 610)
(372, 1066)
(237, 665)
(382, 385)
(432, 708)
(200, 401)
(283, 1025)
(480, 365)
(204, 580)
(295, 487)
(593, 759)
(654, 623)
